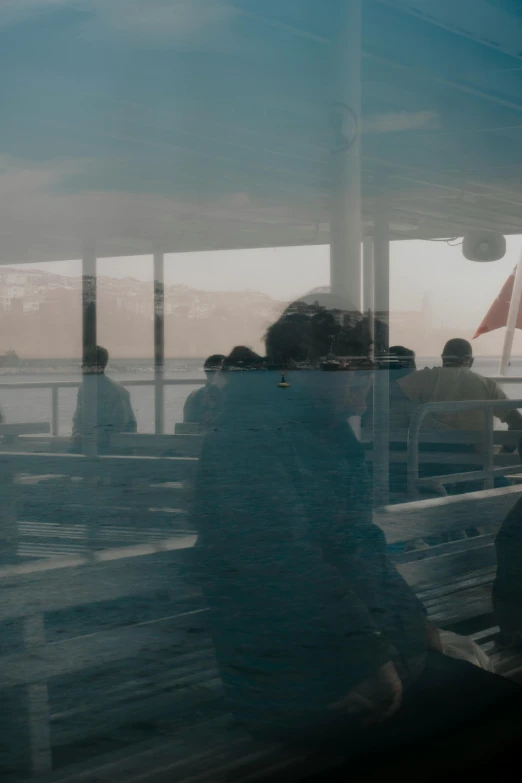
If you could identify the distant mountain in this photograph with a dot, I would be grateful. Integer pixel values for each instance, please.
(40, 317)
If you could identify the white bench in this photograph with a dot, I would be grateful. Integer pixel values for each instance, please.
(113, 656)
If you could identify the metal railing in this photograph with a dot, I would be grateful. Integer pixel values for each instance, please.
(55, 386)
(488, 472)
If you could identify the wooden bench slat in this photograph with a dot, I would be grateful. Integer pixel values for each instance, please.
(110, 575)
(192, 695)
(440, 569)
(183, 445)
(406, 521)
(77, 654)
(449, 436)
(114, 468)
(187, 428)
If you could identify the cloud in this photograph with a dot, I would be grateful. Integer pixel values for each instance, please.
(402, 121)
(19, 10)
(179, 22)
(42, 221)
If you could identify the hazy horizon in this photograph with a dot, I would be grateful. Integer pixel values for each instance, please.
(461, 291)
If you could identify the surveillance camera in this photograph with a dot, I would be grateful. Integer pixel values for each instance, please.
(484, 246)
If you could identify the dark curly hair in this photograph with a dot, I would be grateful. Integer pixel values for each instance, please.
(307, 331)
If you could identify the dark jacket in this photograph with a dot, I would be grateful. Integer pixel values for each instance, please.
(304, 601)
(202, 406)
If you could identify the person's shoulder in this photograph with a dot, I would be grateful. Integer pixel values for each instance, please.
(495, 391)
(426, 372)
(417, 378)
(195, 396)
(116, 387)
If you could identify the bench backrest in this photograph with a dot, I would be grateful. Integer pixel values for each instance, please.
(63, 504)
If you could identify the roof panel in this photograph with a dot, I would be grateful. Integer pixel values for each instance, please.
(210, 129)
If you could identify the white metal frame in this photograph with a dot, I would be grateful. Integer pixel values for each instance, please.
(488, 472)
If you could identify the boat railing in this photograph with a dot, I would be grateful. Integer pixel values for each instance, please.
(55, 386)
(486, 448)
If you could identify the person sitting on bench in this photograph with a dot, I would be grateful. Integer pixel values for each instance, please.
(114, 413)
(201, 405)
(456, 381)
(319, 641)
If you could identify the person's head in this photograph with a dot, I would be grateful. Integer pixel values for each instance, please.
(400, 359)
(212, 364)
(457, 353)
(404, 356)
(96, 359)
(321, 331)
(242, 358)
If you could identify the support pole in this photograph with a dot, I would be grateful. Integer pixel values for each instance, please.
(511, 325)
(381, 387)
(159, 342)
(368, 276)
(345, 216)
(368, 304)
(89, 342)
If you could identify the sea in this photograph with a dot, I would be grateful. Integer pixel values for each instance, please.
(34, 405)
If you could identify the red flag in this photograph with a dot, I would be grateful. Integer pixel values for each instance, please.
(497, 314)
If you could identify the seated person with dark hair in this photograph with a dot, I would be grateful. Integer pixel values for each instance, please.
(113, 405)
(400, 361)
(319, 641)
(201, 405)
(456, 381)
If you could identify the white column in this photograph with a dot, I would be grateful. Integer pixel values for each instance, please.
(89, 341)
(368, 303)
(159, 342)
(368, 276)
(381, 388)
(345, 216)
(511, 325)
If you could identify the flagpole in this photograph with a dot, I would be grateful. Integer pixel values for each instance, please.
(514, 307)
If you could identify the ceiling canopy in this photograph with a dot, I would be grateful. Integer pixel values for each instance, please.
(186, 125)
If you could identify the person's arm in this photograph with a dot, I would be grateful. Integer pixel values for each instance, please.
(375, 700)
(191, 408)
(513, 418)
(355, 547)
(77, 424)
(131, 425)
(414, 386)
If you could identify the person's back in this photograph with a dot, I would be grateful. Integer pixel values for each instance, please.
(202, 405)
(452, 384)
(114, 413)
(455, 381)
